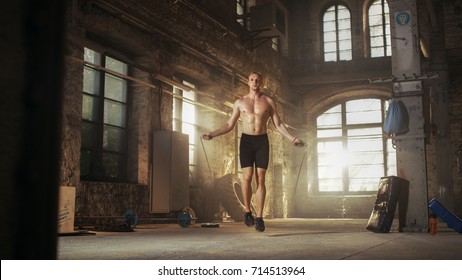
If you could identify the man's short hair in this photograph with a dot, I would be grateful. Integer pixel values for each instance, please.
(258, 73)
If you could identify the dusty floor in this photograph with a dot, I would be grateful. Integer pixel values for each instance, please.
(301, 239)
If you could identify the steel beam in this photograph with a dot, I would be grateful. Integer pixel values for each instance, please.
(411, 154)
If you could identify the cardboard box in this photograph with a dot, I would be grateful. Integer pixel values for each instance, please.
(66, 210)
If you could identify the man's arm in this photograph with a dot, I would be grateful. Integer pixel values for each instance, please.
(281, 127)
(228, 126)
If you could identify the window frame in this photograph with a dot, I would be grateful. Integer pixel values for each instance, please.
(178, 122)
(343, 139)
(386, 43)
(337, 41)
(97, 151)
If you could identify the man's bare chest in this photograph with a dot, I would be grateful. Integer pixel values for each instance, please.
(255, 107)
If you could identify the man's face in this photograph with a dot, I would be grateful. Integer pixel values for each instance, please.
(254, 81)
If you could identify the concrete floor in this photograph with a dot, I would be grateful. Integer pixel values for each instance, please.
(284, 239)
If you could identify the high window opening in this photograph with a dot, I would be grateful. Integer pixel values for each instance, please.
(337, 34)
(184, 118)
(379, 29)
(241, 10)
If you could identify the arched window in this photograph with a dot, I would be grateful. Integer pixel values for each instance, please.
(351, 150)
(337, 34)
(379, 29)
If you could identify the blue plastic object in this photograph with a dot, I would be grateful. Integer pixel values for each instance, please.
(443, 213)
(397, 119)
(184, 219)
(131, 218)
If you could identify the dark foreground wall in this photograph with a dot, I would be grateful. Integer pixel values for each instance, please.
(32, 58)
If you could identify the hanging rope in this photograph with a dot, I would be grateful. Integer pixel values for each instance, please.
(299, 171)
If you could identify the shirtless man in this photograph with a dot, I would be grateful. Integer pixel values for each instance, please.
(255, 109)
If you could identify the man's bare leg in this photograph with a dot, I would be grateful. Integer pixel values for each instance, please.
(261, 191)
(247, 187)
(260, 194)
(247, 173)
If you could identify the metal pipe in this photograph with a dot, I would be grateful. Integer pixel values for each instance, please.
(98, 67)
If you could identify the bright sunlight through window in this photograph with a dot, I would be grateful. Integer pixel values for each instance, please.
(352, 152)
(184, 118)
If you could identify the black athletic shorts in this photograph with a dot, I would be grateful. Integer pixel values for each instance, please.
(254, 150)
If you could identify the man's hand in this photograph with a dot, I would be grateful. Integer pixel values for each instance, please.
(207, 136)
(299, 143)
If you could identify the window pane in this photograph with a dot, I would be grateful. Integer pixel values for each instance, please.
(343, 12)
(375, 20)
(377, 52)
(91, 56)
(385, 8)
(344, 24)
(114, 113)
(376, 31)
(391, 159)
(115, 65)
(329, 152)
(90, 81)
(192, 152)
(190, 130)
(330, 37)
(363, 184)
(344, 45)
(372, 132)
(189, 110)
(363, 111)
(330, 185)
(113, 139)
(329, 26)
(366, 158)
(330, 56)
(377, 42)
(115, 88)
(345, 55)
(329, 133)
(330, 47)
(388, 50)
(376, 7)
(329, 15)
(344, 34)
(85, 162)
(365, 145)
(330, 166)
(330, 118)
(112, 164)
(89, 108)
(239, 10)
(89, 135)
